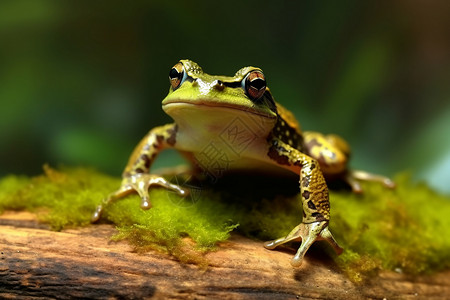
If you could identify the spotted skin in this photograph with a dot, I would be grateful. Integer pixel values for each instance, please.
(315, 157)
(203, 105)
(313, 191)
(313, 188)
(288, 135)
(331, 151)
(146, 151)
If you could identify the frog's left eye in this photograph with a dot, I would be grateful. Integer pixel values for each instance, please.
(255, 84)
(177, 75)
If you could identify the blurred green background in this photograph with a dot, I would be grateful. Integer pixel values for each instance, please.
(81, 82)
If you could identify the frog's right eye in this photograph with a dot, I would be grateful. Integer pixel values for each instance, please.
(254, 84)
(177, 75)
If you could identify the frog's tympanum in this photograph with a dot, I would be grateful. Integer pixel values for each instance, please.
(226, 124)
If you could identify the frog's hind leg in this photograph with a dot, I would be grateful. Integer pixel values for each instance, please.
(332, 152)
(353, 178)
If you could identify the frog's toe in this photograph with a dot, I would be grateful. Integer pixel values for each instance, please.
(326, 235)
(354, 177)
(161, 181)
(124, 190)
(387, 182)
(145, 203)
(141, 188)
(308, 234)
(354, 184)
(142, 182)
(295, 234)
(97, 214)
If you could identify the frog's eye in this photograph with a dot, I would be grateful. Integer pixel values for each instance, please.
(177, 75)
(255, 84)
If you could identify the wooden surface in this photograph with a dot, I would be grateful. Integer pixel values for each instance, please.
(84, 263)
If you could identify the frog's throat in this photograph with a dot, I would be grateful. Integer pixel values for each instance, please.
(172, 104)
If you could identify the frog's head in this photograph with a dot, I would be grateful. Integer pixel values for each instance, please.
(199, 94)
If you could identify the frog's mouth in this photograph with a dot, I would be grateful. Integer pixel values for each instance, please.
(210, 105)
(202, 121)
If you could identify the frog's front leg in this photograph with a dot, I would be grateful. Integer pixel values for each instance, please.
(314, 195)
(136, 177)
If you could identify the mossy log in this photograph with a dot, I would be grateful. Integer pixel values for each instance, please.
(84, 263)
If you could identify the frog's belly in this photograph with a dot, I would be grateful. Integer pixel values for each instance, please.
(248, 165)
(226, 164)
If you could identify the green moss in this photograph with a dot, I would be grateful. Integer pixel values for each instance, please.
(164, 225)
(9, 192)
(60, 198)
(406, 229)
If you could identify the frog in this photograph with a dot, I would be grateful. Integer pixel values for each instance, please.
(232, 123)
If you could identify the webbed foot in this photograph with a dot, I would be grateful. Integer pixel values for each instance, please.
(139, 183)
(354, 177)
(308, 234)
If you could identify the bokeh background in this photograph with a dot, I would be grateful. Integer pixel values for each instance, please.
(81, 82)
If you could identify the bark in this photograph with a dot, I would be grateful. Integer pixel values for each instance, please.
(83, 263)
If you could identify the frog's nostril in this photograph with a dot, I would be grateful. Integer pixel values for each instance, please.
(218, 85)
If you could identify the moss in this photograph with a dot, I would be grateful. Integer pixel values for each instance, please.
(164, 226)
(60, 198)
(9, 192)
(406, 229)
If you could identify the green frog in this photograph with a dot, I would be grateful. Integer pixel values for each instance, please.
(223, 124)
